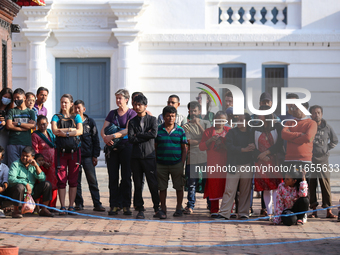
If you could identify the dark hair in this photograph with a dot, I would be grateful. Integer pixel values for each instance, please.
(140, 99)
(306, 105)
(3, 92)
(219, 114)
(136, 94)
(40, 118)
(193, 105)
(38, 155)
(42, 89)
(175, 96)
(209, 100)
(19, 91)
(29, 150)
(228, 94)
(295, 175)
(2, 150)
(292, 95)
(315, 107)
(79, 102)
(29, 94)
(69, 97)
(169, 109)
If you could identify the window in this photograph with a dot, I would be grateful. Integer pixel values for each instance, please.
(4, 64)
(234, 74)
(274, 76)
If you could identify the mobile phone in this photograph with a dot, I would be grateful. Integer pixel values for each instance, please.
(2, 113)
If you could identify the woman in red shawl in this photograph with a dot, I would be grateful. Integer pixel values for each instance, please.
(213, 141)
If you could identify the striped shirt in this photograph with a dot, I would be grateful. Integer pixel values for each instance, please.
(169, 151)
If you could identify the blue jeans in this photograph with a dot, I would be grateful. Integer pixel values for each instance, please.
(90, 173)
(191, 184)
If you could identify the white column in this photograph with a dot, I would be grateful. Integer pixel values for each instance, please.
(37, 33)
(127, 34)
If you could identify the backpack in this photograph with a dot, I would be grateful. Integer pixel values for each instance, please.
(67, 144)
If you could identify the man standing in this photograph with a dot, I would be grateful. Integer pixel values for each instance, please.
(90, 151)
(42, 94)
(194, 130)
(171, 152)
(22, 177)
(20, 121)
(173, 100)
(228, 99)
(142, 131)
(325, 140)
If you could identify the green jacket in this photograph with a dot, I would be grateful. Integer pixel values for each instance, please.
(19, 174)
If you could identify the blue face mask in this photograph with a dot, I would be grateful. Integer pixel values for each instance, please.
(6, 101)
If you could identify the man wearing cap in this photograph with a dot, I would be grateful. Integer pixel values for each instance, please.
(266, 99)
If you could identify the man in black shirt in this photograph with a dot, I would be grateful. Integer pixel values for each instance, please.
(239, 159)
(142, 131)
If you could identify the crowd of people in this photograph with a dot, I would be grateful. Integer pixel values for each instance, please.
(39, 161)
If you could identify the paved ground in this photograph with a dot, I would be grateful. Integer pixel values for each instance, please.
(155, 233)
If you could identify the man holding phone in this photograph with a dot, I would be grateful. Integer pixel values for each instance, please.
(22, 177)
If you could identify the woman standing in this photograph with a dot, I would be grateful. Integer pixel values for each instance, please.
(213, 141)
(118, 156)
(67, 127)
(43, 142)
(268, 143)
(6, 103)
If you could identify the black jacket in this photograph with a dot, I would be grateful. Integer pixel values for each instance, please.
(90, 146)
(235, 141)
(143, 141)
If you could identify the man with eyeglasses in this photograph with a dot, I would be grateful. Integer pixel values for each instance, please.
(180, 119)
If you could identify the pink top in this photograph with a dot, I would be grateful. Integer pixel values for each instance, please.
(286, 196)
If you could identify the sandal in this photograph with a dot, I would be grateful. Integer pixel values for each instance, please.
(71, 210)
(299, 222)
(140, 215)
(45, 213)
(178, 213)
(160, 214)
(313, 215)
(63, 209)
(331, 216)
(188, 210)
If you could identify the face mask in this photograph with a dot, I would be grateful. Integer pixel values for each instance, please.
(18, 102)
(6, 101)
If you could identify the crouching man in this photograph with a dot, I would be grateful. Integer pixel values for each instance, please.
(22, 177)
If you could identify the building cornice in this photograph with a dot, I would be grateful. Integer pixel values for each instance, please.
(242, 37)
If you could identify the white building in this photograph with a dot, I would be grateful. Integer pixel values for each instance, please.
(92, 48)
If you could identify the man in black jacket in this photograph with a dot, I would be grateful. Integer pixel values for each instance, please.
(142, 131)
(90, 151)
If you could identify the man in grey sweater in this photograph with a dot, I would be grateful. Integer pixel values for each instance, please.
(325, 140)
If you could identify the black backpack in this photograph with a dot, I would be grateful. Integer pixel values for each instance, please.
(67, 144)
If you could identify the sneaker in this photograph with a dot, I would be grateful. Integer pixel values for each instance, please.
(304, 220)
(2, 215)
(113, 211)
(127, 211)
(79, 207)
(214, 215)
(99, 208)
(233, 216)
(220, 217)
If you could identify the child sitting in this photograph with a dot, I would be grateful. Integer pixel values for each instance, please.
(291, 198)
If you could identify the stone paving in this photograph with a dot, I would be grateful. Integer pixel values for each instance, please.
(156, 233)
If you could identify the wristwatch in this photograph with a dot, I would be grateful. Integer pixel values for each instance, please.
(67, 134)
(19, 124)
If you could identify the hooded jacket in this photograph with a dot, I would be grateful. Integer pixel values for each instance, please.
(325, 140)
